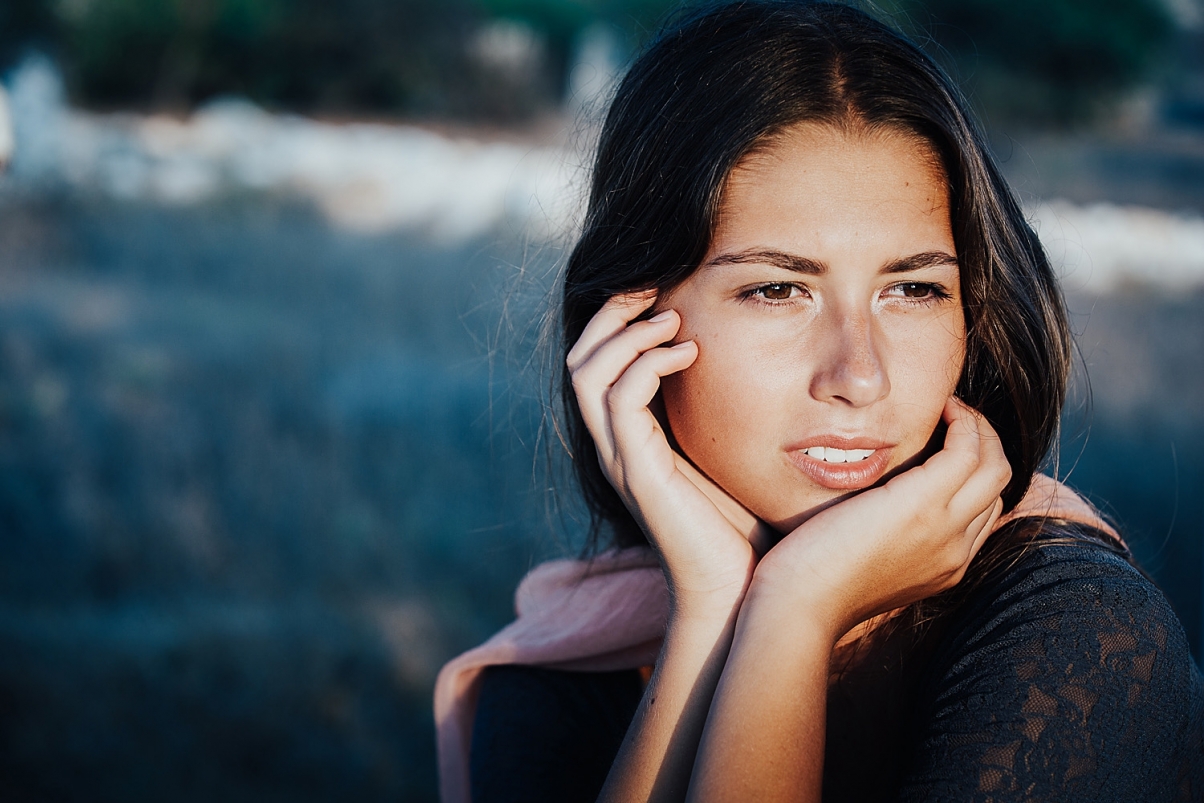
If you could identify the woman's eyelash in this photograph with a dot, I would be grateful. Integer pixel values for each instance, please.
(922, 292)
(782, 292)
(774, 292)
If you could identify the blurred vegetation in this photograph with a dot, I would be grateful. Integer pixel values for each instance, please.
(257, 483)
(1039, 60)
(1053, 61)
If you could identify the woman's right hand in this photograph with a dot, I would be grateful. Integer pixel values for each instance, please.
(896, 544)
(707, 542)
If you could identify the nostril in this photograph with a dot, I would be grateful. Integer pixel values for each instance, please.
(857, 382)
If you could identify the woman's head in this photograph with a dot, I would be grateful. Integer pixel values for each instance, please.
(736, 98)
(828, 318)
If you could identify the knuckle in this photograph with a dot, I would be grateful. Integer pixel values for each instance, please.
(578, 381)
(956, 555)
(613, 399)
(618, 396)
(1006, 471)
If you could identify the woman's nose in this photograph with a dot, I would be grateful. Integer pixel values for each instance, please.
(851, 370)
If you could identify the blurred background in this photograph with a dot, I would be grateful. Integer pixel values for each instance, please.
(271, 279)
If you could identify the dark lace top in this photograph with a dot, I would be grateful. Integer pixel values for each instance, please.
(1062, 675)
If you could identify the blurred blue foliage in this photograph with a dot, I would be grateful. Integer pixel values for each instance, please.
(258, 479)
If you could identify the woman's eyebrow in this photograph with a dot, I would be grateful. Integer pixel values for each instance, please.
(777, 259)
(813, 267)
(927, 259)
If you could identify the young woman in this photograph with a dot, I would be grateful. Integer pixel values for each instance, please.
(816, 360)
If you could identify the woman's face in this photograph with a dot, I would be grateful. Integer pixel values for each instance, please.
(828, 318)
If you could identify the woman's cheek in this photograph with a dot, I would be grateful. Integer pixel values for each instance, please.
(725, 411)
(702, 408)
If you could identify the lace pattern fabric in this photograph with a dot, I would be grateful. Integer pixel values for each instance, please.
(1068, 679)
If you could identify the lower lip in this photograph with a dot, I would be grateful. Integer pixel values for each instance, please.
(843, 476)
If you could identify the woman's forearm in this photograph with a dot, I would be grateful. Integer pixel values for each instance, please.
(658, 753)
(764, 737)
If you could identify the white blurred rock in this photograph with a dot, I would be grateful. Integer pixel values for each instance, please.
(365, 177)
(597, 68)
(511, 48)
(1101, 246)
(38, 106)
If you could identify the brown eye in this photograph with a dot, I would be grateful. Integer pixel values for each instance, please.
(777, 292)
(913, 290)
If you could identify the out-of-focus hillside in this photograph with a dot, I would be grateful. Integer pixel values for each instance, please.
(259, 477)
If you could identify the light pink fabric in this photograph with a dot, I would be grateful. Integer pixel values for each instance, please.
(605, 614)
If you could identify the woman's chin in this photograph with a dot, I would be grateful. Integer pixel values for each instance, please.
(815, 504)
(819, 497)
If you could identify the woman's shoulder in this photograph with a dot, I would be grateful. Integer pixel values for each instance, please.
(1069, 597)
(1066, 667)
(1072, 576)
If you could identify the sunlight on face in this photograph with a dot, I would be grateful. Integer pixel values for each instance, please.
(829, 322)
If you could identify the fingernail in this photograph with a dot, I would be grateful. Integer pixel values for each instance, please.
(683, 344)
(664, 316)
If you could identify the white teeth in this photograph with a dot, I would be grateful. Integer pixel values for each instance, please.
(829, 454)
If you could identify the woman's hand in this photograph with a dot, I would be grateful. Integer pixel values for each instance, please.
(708, 543)
(705, 539)
(894, 545)
(880, 550)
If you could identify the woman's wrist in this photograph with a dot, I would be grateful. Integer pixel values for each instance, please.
(712, 605)
(780, 594)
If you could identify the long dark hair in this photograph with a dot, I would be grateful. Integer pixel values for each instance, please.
(723, 81)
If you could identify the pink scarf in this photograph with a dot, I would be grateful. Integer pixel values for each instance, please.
(605, 614)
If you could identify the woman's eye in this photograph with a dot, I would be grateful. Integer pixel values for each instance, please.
(776, 292)
(919, 291)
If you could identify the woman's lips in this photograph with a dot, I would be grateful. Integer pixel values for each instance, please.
(842, 476)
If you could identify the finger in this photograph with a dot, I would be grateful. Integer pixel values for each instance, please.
(989, 477)
(942, 475)
(963, 431)
(635, 439)
(628, 398)
(756, 531)
(611, 358)
(981, 526)
(593, 379)
(993, 514)
(614, 316)
(967, 544)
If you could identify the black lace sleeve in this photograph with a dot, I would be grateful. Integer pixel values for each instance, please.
(1068, 679)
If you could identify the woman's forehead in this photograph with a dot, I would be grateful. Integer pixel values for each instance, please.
(819, 190)
(770, 152)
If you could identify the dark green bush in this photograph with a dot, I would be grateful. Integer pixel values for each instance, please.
(352, 55)
(1045, 60)
(1042, 60)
